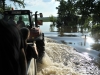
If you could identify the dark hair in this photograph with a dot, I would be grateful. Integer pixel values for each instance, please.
(24, 32)
(20, 17)
(10, 44)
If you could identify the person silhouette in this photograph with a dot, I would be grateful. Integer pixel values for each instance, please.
(11, 20)
(12, 55)
(30, 50)
(20, 23)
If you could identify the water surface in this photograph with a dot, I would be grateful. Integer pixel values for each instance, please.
(61, 59)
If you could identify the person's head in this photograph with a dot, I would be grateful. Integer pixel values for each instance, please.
(20, 17)
(9, 35)
(25, 33)
(10, 47)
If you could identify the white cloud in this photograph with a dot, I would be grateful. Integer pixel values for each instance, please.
(47, 8)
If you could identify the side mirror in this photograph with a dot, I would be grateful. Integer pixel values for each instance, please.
(41, 15)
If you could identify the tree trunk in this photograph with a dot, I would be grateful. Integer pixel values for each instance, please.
(3, 1)
(68, 29)
(74, 29)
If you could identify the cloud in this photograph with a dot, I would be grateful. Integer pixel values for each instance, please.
(39, 3)
(47, 8)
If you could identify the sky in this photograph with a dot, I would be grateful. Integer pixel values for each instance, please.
(47, 7)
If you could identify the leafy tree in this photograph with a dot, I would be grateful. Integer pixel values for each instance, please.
(61, 12)
(52, 19)
(66, 13)
(69, 10)
(87, 10)
(20, 3)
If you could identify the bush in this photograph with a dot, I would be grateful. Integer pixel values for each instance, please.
(96, 46)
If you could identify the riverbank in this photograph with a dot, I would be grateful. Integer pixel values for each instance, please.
(61, 59)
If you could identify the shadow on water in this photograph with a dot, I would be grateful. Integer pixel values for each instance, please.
(67, 35)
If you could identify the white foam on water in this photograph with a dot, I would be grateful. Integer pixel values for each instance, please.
(48, 67)
(60, 59)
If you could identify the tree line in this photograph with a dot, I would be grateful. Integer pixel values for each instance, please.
(84, 13)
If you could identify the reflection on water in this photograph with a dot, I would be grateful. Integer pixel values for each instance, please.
(46, 27)
(90, 40)
(88, 48)
(61, 59)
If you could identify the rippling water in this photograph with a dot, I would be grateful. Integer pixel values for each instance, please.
(61, 59)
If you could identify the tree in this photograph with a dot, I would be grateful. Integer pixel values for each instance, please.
(88, 9)
(20, 3)
(52, 19)
(61, 12)
(6, 7)
(67, 18)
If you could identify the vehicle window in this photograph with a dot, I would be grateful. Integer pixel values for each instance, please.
(16, 18)
(25, 19)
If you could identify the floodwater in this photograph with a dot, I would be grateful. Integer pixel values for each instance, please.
(61, 59)
(70, 58)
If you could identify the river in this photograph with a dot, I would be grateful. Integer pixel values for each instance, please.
(69, 58)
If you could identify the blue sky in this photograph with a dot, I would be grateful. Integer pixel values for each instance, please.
(47, 7)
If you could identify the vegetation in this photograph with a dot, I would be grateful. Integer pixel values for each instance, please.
(52, 19)
(96, 46)
(74, 12)
(84, 13)
(66, 14)
(45, 19)
(4, 6)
